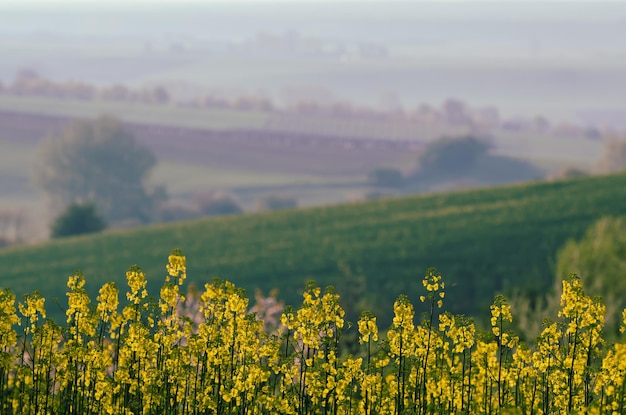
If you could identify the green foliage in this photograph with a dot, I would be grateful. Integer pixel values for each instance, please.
(216, 204)
(77, 220)
(466, 160)
(569, 173)
(614, 159)
(203, 204)
(599, 258)
(452, 156)
(97, 162)
(386, 177)
(485, 241)
(275, 202)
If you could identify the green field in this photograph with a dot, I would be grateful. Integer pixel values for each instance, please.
(482, 241)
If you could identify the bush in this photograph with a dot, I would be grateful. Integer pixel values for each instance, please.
(217, 203)
(101, 162)
(273, 202)
(203, 204)
(451, 156)
(464, 162)
(614, 158)
(76, 220)
(386, 177)
(375, 195)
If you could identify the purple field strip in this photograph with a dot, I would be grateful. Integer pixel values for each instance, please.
(344, 127)
(249, 150)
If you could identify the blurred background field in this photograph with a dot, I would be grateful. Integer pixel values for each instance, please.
(476, 137)
(484, 241)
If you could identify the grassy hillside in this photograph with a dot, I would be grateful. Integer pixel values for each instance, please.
(482, 241)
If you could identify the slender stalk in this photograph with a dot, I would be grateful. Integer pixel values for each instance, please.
(430, 325)
(570, 380)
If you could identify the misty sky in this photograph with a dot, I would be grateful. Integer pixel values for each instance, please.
(562, 59)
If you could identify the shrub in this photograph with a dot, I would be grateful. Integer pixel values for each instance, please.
(386, 177)
(273, 202)
(216, 203)
(101, 162)
(76, 220)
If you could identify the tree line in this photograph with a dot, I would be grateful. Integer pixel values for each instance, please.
(95, 174)
(452, 112)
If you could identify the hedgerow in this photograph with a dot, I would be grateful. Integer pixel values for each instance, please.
(147, 356)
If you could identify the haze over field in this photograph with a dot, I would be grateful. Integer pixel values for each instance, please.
(564, 59)
(315, 102)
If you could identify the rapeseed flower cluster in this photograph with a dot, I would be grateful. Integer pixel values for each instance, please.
(151, 356)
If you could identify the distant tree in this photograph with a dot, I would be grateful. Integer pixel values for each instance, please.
(217, 203)
(79, 90)
(274, 202)
(387, 177)
(12, 223)
(27, 74)
(599, 259)
(375, 195)
(203, 204)
(614, 159)
(570, 172)
(455, 112)
(115, 93)
(97, 162)
(172, 211)
(156, 95)
(451, 156)
(465, 162)
(77, 220)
